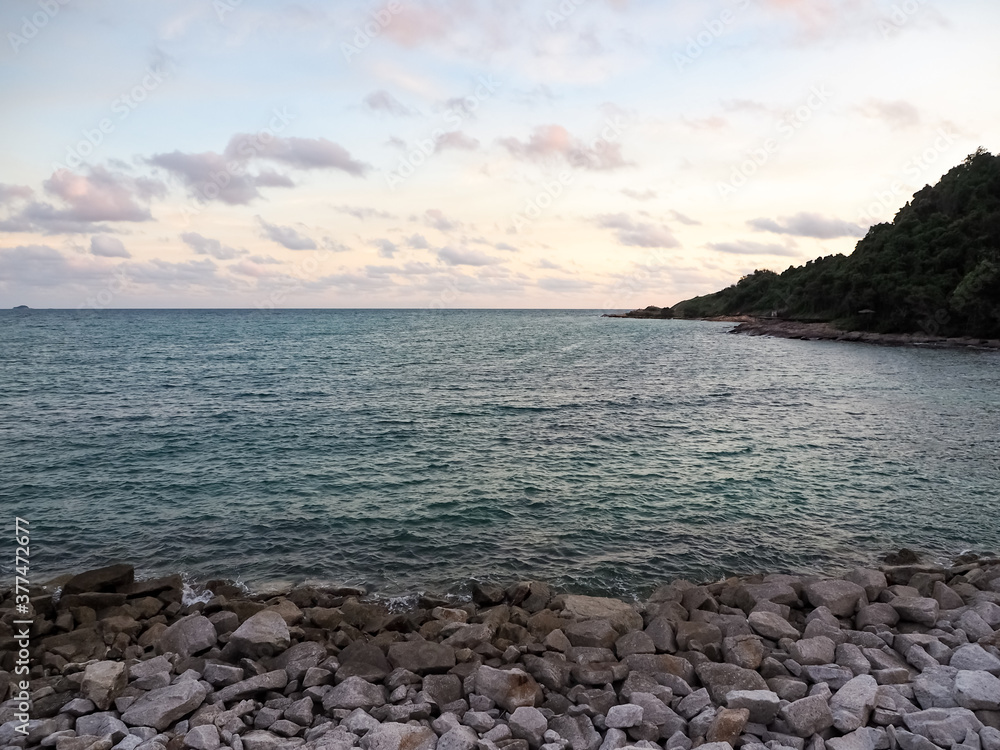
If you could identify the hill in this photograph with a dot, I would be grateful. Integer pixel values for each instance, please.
(935, 269)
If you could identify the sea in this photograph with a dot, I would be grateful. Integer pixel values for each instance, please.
(418, 451)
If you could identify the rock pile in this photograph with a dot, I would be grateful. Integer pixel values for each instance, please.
(906, 658)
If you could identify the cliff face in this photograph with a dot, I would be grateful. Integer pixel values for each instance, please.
(935, 269)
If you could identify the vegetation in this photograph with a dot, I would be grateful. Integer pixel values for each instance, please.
(935, 268)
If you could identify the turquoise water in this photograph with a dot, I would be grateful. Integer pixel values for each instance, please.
(418, 450)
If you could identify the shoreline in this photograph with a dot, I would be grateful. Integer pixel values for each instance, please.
(805, 331)
(872, 659)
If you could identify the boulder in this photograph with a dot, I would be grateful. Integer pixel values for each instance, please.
(422, 657)
(104, 681)
(624, 716)
(592, 633)
(162, 707)
(102, 579)
(852, 705)
(772, 626)
(354, 692)
(529, 724)
(622, 617)
(977, 691)
(395, 736)
(975, 658)
(763, 705)
(577, 730)
(921, 610)
(840, 597)
(808, 716)
(189, 635)
(722, 679)
(203, 737)
(509, 689)
(263, 635)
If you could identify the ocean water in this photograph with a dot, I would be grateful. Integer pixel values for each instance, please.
(420, 450)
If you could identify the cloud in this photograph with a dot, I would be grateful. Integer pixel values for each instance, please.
(386, 248)
(639, 195)
(270, 178)
(436, 218)
(11, 193)
(898, 115)
(637, 234)
(300, 153)
(383, 101)
(805, 224)
(417, 242)
(43, 266)
(454, 257)
(363, 212)
(456, 139)
(207, 246)
(506, 247)
(746, 247)
(678, 216)
(548, 265)
(100, 195)
(209, 176)
(554, 141)
(106, 246)
(286, 236)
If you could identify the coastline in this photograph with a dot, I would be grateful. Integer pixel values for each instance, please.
(790, 329)
(868, 660)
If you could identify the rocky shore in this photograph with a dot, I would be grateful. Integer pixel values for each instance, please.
(788, 329)
(902, 658)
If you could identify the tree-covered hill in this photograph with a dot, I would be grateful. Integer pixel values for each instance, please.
(935, 268)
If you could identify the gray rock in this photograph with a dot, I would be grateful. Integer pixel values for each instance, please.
(622, 617)
(509, 689)
(597, 633)
(935, 688)
(834, 676)
(300, 712)
(615, 739)
(840, 597)
(975, 658)
(693, 704)
(442, 689)
(161, 708)
(469, 636)
(221, 675)
(853, 703)
(263, 635)
(275, 680)
(722, 679)
(528, 723)
(422, 657)
(944, 727)
(820, 650)
(478, 720)
(352, 693)
(259, 739)
(715, 746)
(872, 581)
(860, 739)
(578, 731)
(661, 632)
(150, 667)
(807, 716)
(104, 681)
(772, 626)
(204, 737)
(974, 625)
(102, 725)
(977, 691)
(745, 651)
(78, 707)
(637, 642)
(989, 737)
(946, 596)
(189, 635)
(921, 610)
(624, 716)
(458, 738)
(394, 736)
(876, 614)
(762, 704)
(359, 722)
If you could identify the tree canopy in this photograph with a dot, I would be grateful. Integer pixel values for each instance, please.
(935, 268)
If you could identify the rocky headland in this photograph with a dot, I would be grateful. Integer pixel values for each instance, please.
(902, 658)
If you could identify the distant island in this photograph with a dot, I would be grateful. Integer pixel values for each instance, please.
(931, 274)
(22, 307)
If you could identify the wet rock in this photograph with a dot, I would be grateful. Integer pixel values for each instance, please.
(102, 579)
(104, 681)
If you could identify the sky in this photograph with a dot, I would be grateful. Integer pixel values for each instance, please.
(592, 154)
